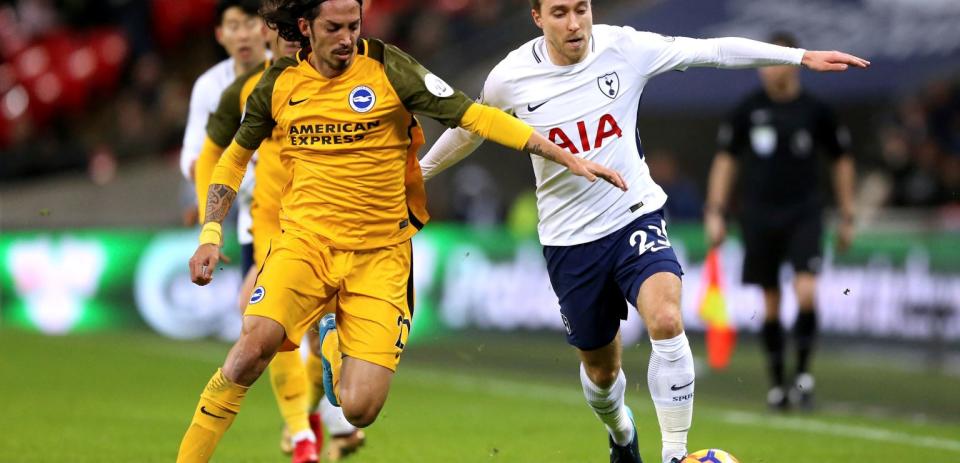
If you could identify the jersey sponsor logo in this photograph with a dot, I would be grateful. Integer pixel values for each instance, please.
(257, 295)
(294, 103)
(609, 85)
(437, 86)
(362, 99)
(607, 127)
(329, 134)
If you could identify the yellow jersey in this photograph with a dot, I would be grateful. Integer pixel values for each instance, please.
(349, 143)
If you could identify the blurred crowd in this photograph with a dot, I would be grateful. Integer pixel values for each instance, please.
(89, 85)
(920, 148)
(85, 84)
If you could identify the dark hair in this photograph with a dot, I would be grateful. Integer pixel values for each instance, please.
(535, 4)
(282, 16)
(784, 39)
(250, 7)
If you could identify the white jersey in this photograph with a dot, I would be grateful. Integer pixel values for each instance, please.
(204, 100)
(590, 109)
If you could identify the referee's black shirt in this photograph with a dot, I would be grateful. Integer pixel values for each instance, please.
(778, 146)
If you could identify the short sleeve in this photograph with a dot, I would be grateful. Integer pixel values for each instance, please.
(258, 120)
(832, 138)
(421, 91)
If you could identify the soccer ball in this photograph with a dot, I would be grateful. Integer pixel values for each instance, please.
(710, 456)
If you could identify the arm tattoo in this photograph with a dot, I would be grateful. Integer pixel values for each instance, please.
(219, 199)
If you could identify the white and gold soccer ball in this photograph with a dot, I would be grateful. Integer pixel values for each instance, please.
(710, 456)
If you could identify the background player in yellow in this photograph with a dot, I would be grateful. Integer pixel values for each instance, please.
(349, 211)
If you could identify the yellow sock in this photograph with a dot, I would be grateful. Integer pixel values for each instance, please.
(219, 405)
(289, 380)
(331, 352)
(314, 369)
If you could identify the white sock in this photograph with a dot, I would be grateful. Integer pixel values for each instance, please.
(671, 382)
(306, 434)
(608, 406)
(333, 419)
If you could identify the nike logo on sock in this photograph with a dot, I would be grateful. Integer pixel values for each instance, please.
(203, 409)
(677, 388)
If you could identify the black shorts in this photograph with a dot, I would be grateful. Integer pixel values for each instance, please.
(595, 280)
(768, 243)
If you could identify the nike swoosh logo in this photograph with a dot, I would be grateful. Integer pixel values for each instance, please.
(291, 397)
(533, 108)
(677, 388)
(294, 103)
(203, 410)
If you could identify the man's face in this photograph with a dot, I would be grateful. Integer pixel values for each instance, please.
(778, 76)
(567, 25)
(279, 46)
(334, 34)
(243, 36)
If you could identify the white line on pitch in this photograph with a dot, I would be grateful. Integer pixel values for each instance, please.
(845, 430)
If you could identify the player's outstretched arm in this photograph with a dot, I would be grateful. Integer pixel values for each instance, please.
(224, 185)
(827, 61)
(539, 145)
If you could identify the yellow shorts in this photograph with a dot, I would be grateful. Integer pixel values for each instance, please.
(265, 229)
(373, 290)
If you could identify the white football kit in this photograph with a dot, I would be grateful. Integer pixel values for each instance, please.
(590, 109)
(204, 99)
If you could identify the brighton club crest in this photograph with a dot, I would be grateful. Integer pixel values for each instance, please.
(609, 85)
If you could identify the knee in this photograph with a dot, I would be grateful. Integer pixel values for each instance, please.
(602, 375)
(666, 323)
(806, 288)
(358, 414)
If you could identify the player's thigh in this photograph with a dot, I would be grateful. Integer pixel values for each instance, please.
(591, 306)
(375, 305)
(291, 288)
(764, 250)
(658, 302)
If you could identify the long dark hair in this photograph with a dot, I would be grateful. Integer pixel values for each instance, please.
(282, 16)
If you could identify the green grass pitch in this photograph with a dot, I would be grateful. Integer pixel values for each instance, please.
(128, 397)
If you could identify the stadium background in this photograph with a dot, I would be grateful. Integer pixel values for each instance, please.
(95, 222)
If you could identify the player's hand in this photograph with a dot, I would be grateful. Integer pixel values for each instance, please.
(845, 233)
(203, 262)
(591, 170)
(827, 61)
(716, 228)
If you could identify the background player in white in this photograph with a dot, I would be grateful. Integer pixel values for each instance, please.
(242, 34)
(580, 85)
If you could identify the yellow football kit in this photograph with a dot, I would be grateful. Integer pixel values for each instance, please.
(355, 195)
(354, 200)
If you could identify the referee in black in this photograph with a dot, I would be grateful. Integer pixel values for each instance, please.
(774, 139)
